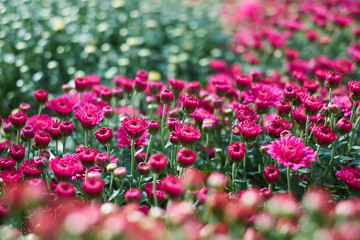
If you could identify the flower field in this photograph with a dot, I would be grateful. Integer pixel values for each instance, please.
(180, 119)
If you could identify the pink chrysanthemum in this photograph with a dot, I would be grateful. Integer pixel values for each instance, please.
(291, 151)
(125, 141)
(263, 95)
(278, 125)
(159, 191)
(4, 145)
(12, 175)
(135, 127)
(62, 105)
(30, 170)
(40, 121)
(350, 176)
(187, 135)
(64, 168)
(89, 116)
(244, 112)
(249, 130)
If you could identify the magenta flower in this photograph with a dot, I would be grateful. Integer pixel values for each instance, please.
(12, 175)
(249, 130)
(350, 176)
(244, 112)
(62, 105)
(291, 151)
(125, 141)
(187, 135)
(263, 95)
(40, 121)
(135, 127)
(89, 116)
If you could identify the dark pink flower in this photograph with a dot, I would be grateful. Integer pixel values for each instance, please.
(89, 116)
(27, 132)
(186, 157)
(159, 191)
(266, 193)
(63, 169)
(104, 135)
(93, 186)
(6, 163)
(153, 127)
(81, 84)
(4, 145)
(25, 107)
(350, 176)
(166, 96)
(62, 105)
(324, 135)
(172, 123)
(263, 95)
(245, 113)
(135, 127)
(344, 126)
(333, 79)
(291, 151)
(133, 195)
(189, 103)
(158, 162)
(249, 130)
(283, 108)
(87, 157)
(176, 85)
(30, 170)
(41, 96)
(354, 89)
(218, 64)
(125, 141)
(290, 93)
(66, 128)
(236, 151)
(187, 135)
(277, 126)
(42, 139)
(172, 186)
(40, 121)
(354, 52)
(65, 189)
(271, 174)
(11, 175)
(312, 105)
(17, 152)
(54, 130)
(18, 119)
(193, 87)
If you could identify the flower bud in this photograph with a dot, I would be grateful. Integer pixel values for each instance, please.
(120, 172)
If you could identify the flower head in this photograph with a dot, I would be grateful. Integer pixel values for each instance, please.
(11, 175)
(189, 103)
(65, 189)
(173, 186)
(40, 121)
(54, 130)
(236, 151)
(42, 139)
(41, 96)
(249, 130)
(135, 127)
(93, 186)
(354, 89)
(350, 176)
(187, 135)
(158, 162)
(312, 105)
(62, 105)
(160, 194)
(277, 126)
(104, 135)
(6, 163)
(324, 135)
(186, 157)
(18, 119)
(125, 141)
(333, 79)
(245, 113)
(344, 126)
(89, 116)
(63, 169)
(291, 151)
(17, 152)
(271, 174)
(133, 195)
(30, 170)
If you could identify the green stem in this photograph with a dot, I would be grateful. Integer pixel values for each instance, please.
(111, 183)
(108, 148)
(132, 161)
(331, 160)
(292, 118)
(154, 189)
(183, 120)
(162, 128)
(64, 146)
(353, 110)
(330, 95)
(40, 108)
(87, 173)
(244, 161)
(207, 151)
(56, 147)
(86, 140)
(233, 176)
(29, 149)
(352, 135)
(17, 136)
(148, 148)
(289, 180)
(133, 102)
(314, 167)
(307, 129)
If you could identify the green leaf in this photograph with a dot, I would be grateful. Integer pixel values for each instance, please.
(114, 195)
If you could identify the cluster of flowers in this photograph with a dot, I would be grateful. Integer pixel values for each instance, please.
(209, 213)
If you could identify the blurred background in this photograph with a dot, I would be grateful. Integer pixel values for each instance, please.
(44, 44)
